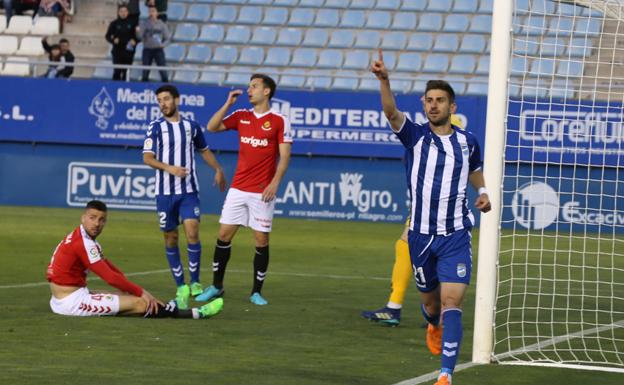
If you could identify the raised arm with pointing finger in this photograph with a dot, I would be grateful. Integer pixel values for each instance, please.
(394, 116)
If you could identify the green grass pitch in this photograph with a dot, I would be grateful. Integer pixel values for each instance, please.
(321, 275)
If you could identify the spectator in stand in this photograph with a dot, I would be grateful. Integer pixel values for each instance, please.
(54, 56)
(155, 35)
(161, 6)
(66, 56)
(121, 34)
(134, 11)
(8, 9)
(56, 8)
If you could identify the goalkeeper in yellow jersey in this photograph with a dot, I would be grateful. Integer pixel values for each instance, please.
(401, 274)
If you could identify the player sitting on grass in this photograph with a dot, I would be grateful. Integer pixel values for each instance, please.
(79, 252)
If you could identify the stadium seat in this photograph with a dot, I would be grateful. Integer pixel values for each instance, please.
(30, 46)
(275, 16)
(138, 51)
(530, 88)
(186, 32)
(315, 37)
(263, 36)
(19, 25)
(21, 68)
(522, 7)
(436, 63)
(526, 45)
(419, 86)
(187, 75)
(251, 56)
(404, 21)
(357, 60)
(234, 1)
(456, 23)
(2, 23)
(472, 44)
(225, 14)
(369, 84)
(458, 83)
(414, 5)
(318, 79)
(583, 27)
(401, 85)
(9, 44)
(285, 3)
(394, 40)
(304, 57)
(440, 6)
(483, 66)
(362, 4)
(341, 38)
(561, 26)
(465, 6)
(430, 22)
(378, 20)
(176, 11)
(103, 71)
(330, 58)
(534, 26)
(211, 34)
(249, 15)
(481, 24)
(552, 46)
(543, 66)
(289, 36)
(344, 82)
(420, 42)
(390, 60)
(277, 56)
(199, 13)
(238, 34)
(199, 53)
(409, 62)
(352, 19)
(561, 89)
(225, 54)
(326, 18)
(388, 4)
(486, 6)
(446, 43)
(311, 3)
(336, 3)
(293, 78)
(367, 39)
(578, 48)
(211, 75)
(463, 64)
(477, 88)
(301, 17)
(519, 65)
(543, 7)
(570, 68)
(175, 52)
(237, 76)
(45, 26)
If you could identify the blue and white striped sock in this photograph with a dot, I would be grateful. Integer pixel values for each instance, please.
(173, 257)
(194, 257)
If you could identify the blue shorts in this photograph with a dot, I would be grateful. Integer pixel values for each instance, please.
(439, 258)
(171, 208)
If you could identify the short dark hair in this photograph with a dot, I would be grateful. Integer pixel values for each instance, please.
(96, 205)
(267, 81)
(63, 40)
(168, 88)
(441, 85)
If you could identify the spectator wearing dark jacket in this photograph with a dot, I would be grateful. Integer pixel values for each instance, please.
(63, 71)
(121, 34)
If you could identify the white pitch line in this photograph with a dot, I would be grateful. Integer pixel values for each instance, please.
(149, 272)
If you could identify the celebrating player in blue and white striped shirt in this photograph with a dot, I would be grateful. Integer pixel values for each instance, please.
(441, 159)
(169, 147)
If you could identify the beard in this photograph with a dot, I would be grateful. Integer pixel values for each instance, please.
(440, 121)
(171, 112)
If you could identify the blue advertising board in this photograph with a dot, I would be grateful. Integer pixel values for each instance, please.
(117, 113)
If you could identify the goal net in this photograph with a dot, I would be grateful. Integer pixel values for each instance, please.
(560, 274)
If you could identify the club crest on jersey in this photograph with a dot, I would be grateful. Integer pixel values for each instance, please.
(266, 126)
(461, 270)
(94, 252)
(147, 145)
(196, 211)
(464, 149)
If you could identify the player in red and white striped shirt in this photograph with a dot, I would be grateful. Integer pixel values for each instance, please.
(265, 139)
(79, 252)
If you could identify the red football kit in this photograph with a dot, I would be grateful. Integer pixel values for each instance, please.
(78, 253)
(259, 139)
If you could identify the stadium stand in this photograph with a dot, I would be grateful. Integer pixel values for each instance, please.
(314, 43)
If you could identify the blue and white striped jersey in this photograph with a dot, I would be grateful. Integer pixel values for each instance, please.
(175, 144)
(437, 170)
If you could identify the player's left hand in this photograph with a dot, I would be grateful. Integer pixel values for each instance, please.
(219, 180)
(269, 192)
(483, 203)
(152, 302)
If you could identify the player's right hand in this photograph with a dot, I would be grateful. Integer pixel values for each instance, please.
(151, 301)
(379, 68)
(232, 96)
(178, 171)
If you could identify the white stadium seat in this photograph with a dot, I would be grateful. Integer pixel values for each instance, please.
(19, 25)
(16, 69)
(30, 46)
(8, 45)
(46, 26)
(2, 23)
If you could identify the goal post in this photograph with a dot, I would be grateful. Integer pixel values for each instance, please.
(550, 274)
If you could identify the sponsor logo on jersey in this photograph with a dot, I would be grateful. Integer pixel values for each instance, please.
(254, 142)
(94, 252)
(245, 122)
(267, 126)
